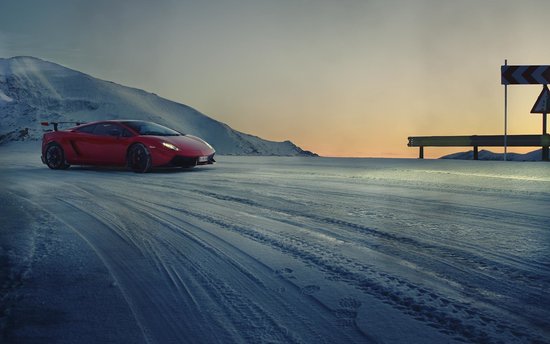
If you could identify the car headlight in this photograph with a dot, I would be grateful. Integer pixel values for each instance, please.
(170, 146)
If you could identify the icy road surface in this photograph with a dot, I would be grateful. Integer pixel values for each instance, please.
(278, 250)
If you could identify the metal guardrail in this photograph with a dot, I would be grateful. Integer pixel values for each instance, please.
(481, 140)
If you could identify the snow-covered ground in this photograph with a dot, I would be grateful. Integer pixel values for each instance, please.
(277, 250)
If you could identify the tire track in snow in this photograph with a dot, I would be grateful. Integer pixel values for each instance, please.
(157, 314)
(131, 305)
(290, 303)
(238, 307)
(361, 229)
(423, 304)
(168, 316)
(279, 216)
(392, 290)
(526, 284)
(21, 244)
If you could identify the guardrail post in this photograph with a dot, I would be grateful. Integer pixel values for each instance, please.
(421, 153)
(476, 153)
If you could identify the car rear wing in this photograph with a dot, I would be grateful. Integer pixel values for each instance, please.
(56, 124)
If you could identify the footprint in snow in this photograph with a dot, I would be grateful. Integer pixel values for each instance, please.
(349, 303)
(345, 316)
(310, 289)
(285, 272)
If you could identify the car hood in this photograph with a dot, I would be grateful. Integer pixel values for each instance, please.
(189, 144)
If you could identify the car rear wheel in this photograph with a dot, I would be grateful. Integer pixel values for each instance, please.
(139, 158)
(55, 157)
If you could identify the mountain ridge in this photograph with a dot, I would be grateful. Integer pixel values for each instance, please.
(33, 90)
(484, 154)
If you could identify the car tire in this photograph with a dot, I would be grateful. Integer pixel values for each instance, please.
(139, 158)
(55, 157)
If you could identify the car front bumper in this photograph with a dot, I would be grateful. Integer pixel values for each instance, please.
(183, 161)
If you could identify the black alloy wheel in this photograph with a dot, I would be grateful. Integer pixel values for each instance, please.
(139, 158)
(55, 157)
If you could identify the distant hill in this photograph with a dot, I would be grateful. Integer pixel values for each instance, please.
(483, 154)
(33, 90)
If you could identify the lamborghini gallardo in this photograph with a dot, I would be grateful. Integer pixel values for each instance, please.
(138, 145)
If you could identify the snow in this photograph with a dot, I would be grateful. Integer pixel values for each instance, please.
(275, 249)
(4, 98)
(34, 91)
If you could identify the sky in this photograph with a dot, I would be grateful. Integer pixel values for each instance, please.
(340, 78)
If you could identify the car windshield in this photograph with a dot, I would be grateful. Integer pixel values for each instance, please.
(149, 128)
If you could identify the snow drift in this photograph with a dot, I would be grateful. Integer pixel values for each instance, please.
(33, 90)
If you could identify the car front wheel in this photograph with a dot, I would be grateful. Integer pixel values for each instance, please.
(139, 158)
(55, 157)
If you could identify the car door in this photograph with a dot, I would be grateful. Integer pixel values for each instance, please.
(108, 144)
(105, 145)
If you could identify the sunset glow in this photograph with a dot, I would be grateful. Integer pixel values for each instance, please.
(340, 78)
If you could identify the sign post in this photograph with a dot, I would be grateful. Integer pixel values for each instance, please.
(505, 116)
(542, 106)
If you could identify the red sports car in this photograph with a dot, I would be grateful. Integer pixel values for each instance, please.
(139, 145)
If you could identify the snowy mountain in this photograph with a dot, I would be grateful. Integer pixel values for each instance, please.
(535, 155)
(33, 90)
